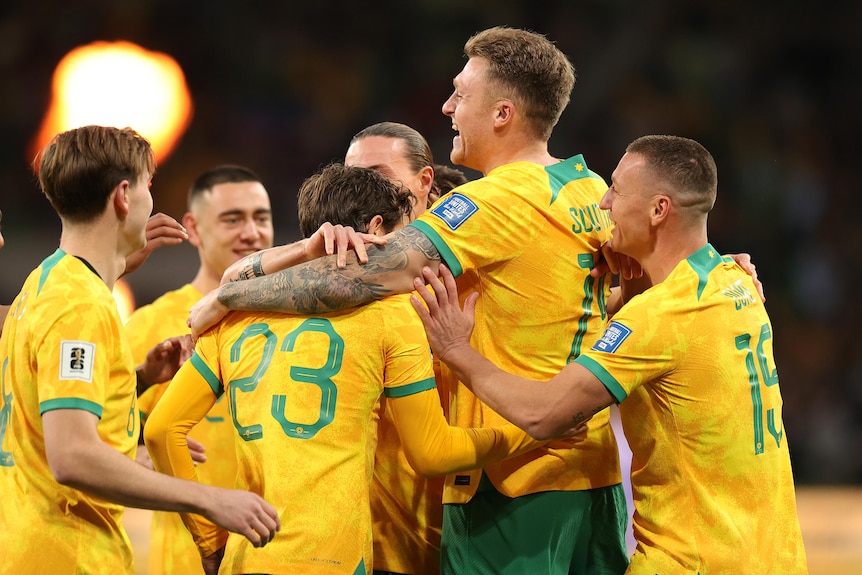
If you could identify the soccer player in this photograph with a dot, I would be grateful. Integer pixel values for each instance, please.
(526, 235)
(303, 391)
(67, 369)
(690, 363)
(400, 153)
(229, 216)
(407, 508)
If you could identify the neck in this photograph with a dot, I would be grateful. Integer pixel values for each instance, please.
(87, 241)
(668, 251)
(511, 149)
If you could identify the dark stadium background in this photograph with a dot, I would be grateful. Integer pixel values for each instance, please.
(771, 88)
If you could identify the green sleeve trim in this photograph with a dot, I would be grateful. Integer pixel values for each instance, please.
(207, 374)
(448, 257)
(47, 265)
(410, 388)
(606, 378)
(71, 403)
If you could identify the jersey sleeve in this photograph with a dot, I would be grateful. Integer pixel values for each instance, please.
(636, 347)
(75, 360)
(187, 400)
(434, 448)
(459, 223)
(408, 365)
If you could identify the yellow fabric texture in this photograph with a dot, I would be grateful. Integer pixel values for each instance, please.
(303, 391)
(691, 362)
(528, 249)
(63, 347)
(406, 508)
(172, 549)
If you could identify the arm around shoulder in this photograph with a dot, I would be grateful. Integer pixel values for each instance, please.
(320, 286)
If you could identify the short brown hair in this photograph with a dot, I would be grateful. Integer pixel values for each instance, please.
(80, 168)
(351, 196)
(539, 76)
(685, 165)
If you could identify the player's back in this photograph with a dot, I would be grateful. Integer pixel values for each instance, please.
(302, 391)
(709, 447)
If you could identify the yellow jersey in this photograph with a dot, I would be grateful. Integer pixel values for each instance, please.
(690, 361)
(526, 237)
(63, 348)
(302, 393)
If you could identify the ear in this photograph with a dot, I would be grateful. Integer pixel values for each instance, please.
(661, 206)
(426, 178)
(119, 199)
(504, 113)
(375, 226)
(190, 223)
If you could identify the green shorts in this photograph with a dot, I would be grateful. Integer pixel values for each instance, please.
(553, 532)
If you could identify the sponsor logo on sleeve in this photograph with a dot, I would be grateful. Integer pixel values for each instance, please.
(455, 210)
(76, 360)
(615, 334)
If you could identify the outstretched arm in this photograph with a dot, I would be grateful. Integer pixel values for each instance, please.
(320, 286)
(186, 402)
(79, 458)
(329, 239)
(544, 409)
(433, 447)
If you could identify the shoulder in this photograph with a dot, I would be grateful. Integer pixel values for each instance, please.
(395, 303)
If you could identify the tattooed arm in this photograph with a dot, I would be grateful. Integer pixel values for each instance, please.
(327, 240)
(320, 285)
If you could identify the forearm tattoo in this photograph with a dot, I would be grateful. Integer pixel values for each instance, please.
(252, 269)
(319, 286)
(580, 417)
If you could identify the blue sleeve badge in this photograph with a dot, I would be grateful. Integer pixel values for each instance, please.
(455, 209)
(615, 334)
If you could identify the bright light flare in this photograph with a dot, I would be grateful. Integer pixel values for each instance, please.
(125, 299)
(119, 84)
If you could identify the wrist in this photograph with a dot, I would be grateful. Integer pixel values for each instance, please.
(142, 380)
(307, 251)
(455, 353)
(252, 267)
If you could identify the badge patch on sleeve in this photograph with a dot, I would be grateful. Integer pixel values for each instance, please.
(615, 334)
(76, 360)
(455, 210)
